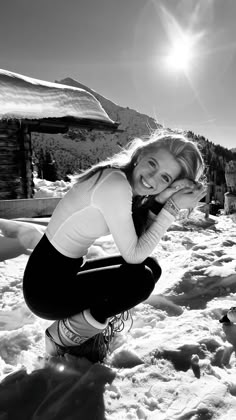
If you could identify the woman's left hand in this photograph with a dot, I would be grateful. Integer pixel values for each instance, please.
(173, 188)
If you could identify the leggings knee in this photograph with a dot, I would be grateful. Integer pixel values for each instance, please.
(148, 283)
(143, 284)
(155, 268)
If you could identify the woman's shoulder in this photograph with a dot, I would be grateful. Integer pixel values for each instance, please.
(113, 175)
(112, 186)
(113, 179)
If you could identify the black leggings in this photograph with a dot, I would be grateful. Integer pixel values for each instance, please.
(57, 287)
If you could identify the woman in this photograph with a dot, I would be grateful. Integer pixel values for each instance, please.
(157, 177)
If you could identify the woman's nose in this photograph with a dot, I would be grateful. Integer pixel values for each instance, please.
(152, 172)
(154, 179)
(154, 175)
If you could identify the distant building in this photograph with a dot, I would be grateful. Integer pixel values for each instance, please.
(218, 193)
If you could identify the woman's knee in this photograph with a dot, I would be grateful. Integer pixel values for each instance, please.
(142, 282)
(153, 265)
(148, 283)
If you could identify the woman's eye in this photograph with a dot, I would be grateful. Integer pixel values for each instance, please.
(152, 163)
(165, 178)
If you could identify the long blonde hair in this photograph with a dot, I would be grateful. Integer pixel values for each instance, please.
(185, 151)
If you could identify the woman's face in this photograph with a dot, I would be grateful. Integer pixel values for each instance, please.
(154, 172)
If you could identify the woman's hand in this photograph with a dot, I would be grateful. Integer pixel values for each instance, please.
(188, 198)
(175, 186)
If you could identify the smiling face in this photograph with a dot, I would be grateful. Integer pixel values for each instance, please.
(154, 172)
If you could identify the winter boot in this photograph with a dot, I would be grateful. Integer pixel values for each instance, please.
(68, 335)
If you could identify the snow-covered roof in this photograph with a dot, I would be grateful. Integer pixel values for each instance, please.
(23, 97)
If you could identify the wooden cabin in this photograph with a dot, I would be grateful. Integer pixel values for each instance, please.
(30, 105)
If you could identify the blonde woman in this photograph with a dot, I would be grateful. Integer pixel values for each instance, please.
(134, 196)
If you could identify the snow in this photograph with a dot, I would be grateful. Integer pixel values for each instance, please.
(44, 188)
(176, 362)
(26, 97)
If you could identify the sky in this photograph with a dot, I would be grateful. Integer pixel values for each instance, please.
(173, 60)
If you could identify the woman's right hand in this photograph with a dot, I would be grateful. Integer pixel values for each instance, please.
(188, 198)
(175, 186)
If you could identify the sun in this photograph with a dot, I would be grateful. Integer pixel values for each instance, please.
(184, 45)
(181, 54)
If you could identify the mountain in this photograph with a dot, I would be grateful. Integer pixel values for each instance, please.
(80, 148)
(131, 122)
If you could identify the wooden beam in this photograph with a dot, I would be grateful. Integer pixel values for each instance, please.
(61, 125)
(29, 207)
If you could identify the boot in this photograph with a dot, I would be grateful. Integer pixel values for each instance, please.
(94, 348)
(71, 332)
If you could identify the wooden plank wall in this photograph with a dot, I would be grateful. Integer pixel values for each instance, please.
(16, 174)
(10, 183)
(25, 162)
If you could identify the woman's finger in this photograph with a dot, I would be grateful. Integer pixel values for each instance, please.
(182, 183)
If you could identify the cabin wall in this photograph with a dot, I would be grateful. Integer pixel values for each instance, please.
(16, 172)
(26, 166)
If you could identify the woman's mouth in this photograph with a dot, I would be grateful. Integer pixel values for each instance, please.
(145, 183)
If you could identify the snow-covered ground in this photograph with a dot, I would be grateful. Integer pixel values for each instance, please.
(44, 188)
(177, 362)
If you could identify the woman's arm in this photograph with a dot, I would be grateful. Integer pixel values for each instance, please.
(113, 197)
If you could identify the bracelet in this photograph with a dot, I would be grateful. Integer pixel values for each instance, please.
(171, 207)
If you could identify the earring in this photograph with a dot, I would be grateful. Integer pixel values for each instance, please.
(135, 164)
